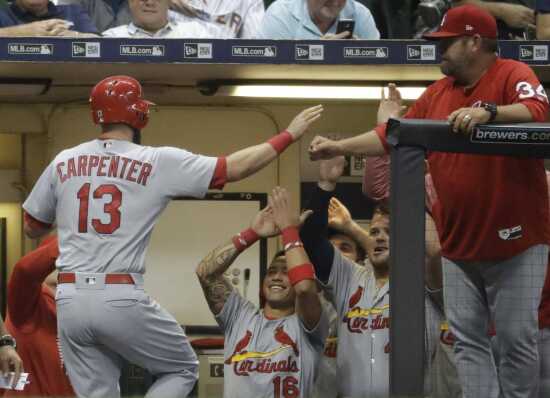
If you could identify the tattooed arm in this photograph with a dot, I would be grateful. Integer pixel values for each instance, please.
(210, 271)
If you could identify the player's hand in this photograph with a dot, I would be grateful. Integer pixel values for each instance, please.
(391, 107)
(323, 148)
(330, 170)
(516, 15)
(303, 120)
(464, 120)
(336, 36)
(264, 224)
(279, 201)
(10, 362)
(339, 216)
(182, 6)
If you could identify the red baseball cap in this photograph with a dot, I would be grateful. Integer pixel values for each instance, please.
(467, 20)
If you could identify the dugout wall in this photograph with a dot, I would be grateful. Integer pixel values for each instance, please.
(410, 140)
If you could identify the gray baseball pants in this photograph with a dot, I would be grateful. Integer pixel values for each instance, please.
(509, 292)
(99, 324)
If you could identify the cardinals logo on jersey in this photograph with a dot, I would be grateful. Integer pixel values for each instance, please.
(360, 319)
(245, 361)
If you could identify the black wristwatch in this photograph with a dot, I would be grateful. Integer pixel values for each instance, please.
(6, 340)
(492, 109)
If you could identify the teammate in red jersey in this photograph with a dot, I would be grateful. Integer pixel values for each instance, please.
(32, 320)
(494, 248)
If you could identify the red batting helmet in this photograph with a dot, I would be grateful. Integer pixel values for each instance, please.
(117, 99)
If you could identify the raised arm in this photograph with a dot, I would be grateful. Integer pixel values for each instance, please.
(248, 161)
(340, 219)
(300, 270)
(210, 270)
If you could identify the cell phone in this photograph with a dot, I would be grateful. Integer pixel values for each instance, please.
(345, 25)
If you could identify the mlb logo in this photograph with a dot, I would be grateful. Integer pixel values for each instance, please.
(381, 52)
(540, 53)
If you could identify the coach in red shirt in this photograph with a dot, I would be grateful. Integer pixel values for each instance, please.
(492, 213)
(32, 320)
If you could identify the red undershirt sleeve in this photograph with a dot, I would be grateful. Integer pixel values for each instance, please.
(219, 178)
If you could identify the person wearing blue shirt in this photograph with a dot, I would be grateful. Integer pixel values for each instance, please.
(43, 18)
(316, 19)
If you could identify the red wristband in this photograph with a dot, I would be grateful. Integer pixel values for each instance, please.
(301, 273)
(290, 235)
(281, 141)
(245, 238)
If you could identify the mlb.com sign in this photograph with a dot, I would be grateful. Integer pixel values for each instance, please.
(366, 52)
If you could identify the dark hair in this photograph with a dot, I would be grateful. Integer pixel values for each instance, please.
(382, 209)
(361, 253)
(280, 253)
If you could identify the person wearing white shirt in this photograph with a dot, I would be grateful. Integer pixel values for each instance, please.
(223, 19)
(150, 19)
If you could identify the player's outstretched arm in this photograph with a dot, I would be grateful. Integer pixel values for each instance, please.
(248, 161)
(367, 143)
(300, 270)
(210, 270)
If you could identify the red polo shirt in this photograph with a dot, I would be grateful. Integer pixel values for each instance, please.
(482, 197)
(32, 320)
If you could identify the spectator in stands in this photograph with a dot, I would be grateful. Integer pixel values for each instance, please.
(105, 14)
(44, 18)
(223, 19)
(515, 18)
(32, 320)
(150, 19)
(543, 19)
(316, 19)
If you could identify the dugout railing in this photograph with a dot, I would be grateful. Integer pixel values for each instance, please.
(410, 140)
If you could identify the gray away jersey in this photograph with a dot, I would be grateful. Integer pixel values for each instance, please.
(363, 331)
(267, 358)
(106, 196)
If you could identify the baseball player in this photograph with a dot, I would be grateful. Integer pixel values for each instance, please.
(9, 359)
(32, 320)
(274, 351)
(223, 19)
(360, 296)
(351, 240)
(494, 251)
(105, 196)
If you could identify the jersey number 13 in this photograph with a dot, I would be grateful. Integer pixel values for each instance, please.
(111, 208)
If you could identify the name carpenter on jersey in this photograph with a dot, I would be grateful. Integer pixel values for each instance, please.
(104, 166)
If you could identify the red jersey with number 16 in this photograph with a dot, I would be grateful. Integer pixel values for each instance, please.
(490, 208)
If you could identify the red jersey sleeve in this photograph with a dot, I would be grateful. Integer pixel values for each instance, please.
(524, 87)
(25, 284)
(219, 178)
(416, 111)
